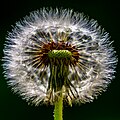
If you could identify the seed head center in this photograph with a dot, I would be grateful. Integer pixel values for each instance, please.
(59, 54)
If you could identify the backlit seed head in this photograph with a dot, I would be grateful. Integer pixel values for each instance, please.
(54, 50)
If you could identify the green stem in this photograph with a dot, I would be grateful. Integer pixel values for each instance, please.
(58, 108)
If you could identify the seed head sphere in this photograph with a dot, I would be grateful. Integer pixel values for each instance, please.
(58, 49)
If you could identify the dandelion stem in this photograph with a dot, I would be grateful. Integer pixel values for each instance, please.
(58, 108)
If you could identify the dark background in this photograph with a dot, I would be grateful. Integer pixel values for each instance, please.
(106, 107)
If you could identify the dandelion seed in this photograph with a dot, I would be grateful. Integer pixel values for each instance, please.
(56, 49)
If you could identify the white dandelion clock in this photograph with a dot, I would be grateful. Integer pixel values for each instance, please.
(58, 50)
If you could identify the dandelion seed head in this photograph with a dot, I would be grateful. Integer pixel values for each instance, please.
(54, 49)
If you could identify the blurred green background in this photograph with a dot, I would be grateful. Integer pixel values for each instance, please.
(106, 107)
